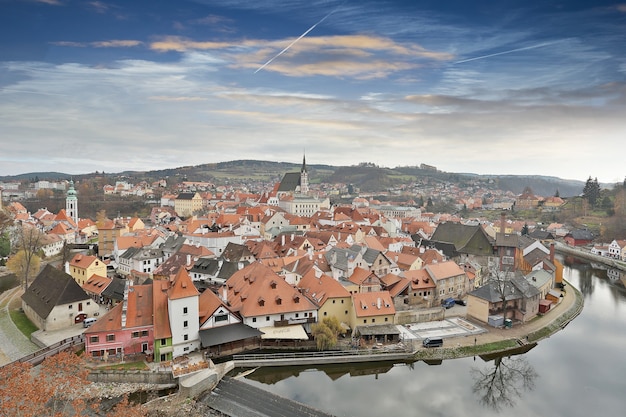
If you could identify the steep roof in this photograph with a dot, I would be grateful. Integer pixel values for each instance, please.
(162, 329)
(51, 288)
(257, 290)
(182, 287)
(138, 313)
(321, 288)
(465, 238)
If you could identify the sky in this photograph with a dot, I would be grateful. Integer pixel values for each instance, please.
(502, 87)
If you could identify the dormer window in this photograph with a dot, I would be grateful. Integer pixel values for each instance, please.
(296, 299)
(261, 301)
(273, 284)
(279, 300)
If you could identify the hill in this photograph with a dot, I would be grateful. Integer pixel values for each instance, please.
(365, 176)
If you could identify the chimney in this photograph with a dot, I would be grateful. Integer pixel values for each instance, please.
(188, 259)
(125, 303)
(378, 303)
(282, 240)
(552, 250)
(224, 294)
(67, 267)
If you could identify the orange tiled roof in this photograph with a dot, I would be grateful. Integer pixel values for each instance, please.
(256, 290)
(182, 287)
(371, 304)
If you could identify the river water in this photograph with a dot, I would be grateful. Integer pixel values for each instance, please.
(579, 371)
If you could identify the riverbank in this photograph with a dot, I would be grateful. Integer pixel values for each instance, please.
(502, 340)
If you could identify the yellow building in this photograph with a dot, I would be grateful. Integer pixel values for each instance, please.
(372, 308)
(330, 296)
(82, 267)
(187, 204)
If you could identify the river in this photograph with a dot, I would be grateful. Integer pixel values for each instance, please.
(579, 371)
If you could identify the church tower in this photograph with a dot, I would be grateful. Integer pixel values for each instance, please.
(71, 203)
(304, 178)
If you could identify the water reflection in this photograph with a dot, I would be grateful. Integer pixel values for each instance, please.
(273, 375)
(501, 385)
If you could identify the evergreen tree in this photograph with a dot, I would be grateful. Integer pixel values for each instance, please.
(557, 193)
(591, 191)
(525, 229)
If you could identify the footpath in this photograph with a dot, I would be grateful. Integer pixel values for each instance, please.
(13, 344)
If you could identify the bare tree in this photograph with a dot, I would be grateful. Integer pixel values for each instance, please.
(502, 385)
(29, 241)
(500, 281)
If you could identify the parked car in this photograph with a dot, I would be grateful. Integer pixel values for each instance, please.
(448, 303)
(432, 342)
(460, 302)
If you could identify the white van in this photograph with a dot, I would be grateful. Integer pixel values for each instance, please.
(88, 322)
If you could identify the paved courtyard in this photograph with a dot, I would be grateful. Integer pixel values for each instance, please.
(450, 327)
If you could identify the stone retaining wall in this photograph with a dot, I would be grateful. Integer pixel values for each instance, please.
(134, 377)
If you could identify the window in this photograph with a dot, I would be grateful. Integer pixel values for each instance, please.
(221, 317)
(253, 319)
(110, 338)
(185, 337)
(345, 312)
(134, 334)
(144, 333)
(341, 301)
(184, 310)
(386, 318)
(267, 318)
(163, 342)
(325, 313)
(364, 321)
(70, 306)
(94, 339)
(333, 301)
(88, 303)
(373, 320)
(297, 315)
(185, 324)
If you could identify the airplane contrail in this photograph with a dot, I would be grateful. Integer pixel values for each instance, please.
(296, 40)
(508, 52)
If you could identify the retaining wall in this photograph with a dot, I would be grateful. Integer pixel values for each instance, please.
(134, 377)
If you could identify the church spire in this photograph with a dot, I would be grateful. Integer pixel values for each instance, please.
(304, 177)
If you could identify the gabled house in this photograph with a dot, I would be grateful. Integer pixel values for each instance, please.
(579, 237)
(183, 310)
(141, 262)
(126, 329)
(331, 298)
(362, 280)
(82, 267)
(450, 279)
(342, 261)
(376, 261)
(514, 298)
(372, 308)
(54, 301)
(221, 330)
(263, 299)
(617, 249)
(455, 239)
(422, 289)
(234, 252)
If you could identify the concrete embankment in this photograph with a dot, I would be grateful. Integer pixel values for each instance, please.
(585, 254)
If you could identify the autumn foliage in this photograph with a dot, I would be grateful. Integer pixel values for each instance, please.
(56, 388)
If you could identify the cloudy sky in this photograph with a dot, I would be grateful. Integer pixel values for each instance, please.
(489, 87)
